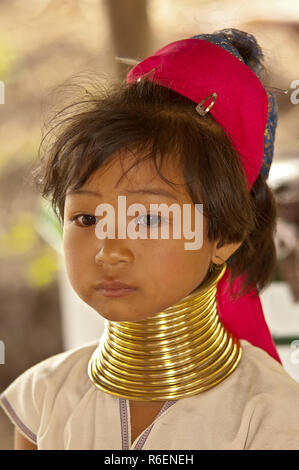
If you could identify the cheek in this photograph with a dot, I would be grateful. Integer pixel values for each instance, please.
(76, 255)
(177, 267)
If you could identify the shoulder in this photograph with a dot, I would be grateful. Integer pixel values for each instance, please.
(266, 376)
(29, 399)
(259, 364)
(272, 396)
(63, 364)
(57, 368)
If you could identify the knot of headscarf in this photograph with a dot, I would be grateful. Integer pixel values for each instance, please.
(226, 38)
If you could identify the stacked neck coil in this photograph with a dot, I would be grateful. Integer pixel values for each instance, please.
(174, 354)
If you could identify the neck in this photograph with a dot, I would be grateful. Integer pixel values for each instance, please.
(177, 353)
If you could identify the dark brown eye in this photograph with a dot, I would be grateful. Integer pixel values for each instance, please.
(87, 220)
(147, 221)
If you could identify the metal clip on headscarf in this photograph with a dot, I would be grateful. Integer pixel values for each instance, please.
(200, 108)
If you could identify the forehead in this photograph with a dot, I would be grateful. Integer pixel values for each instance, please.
(117, 174)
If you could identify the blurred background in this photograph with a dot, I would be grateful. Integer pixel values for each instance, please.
(44, 43)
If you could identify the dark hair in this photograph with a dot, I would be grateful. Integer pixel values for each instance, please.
(154, 122)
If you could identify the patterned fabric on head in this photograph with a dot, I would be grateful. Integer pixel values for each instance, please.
(225, 38)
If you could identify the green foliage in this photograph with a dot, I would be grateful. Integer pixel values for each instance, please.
(42, 269)
(39, 261)
(21, 236)
(8, 56)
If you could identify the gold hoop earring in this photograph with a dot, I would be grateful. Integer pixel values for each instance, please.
(213, 266)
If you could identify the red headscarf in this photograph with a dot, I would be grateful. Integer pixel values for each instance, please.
(196, 68)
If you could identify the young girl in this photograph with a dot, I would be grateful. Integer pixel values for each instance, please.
(186, 360)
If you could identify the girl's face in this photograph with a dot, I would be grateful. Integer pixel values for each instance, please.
(161, 270)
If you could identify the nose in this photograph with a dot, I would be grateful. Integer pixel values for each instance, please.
(113, 252)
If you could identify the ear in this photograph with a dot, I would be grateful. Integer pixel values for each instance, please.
(222, 254)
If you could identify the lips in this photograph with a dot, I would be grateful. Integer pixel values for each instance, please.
(113, 285)
(115, 289)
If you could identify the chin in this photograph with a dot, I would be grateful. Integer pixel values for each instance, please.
(117, 318)
(120, 317)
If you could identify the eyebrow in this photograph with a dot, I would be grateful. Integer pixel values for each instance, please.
(151, 191)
